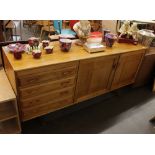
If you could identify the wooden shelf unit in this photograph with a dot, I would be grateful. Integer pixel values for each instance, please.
(9, 118)
(7, 110)
(10, 126)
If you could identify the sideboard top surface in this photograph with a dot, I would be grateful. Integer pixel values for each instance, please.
(76, 53)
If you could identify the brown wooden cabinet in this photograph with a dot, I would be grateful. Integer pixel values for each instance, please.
(62, 79)
(94, 77)
(100, 75)
(127, 68)
(46, 89)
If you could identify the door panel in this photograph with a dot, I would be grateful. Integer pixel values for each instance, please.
(94, 77)
(127, 68)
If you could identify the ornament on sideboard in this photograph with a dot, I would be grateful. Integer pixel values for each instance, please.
(124, 29)
(49, 49)
(110, 38)
(17, 50)
(133, 31)
(45, 43)
(128, 34)
(33, 41)
(17, 54)
(145, 37)
(82, 29)
(65, 44)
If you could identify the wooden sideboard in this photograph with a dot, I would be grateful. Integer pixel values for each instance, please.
(62, 79)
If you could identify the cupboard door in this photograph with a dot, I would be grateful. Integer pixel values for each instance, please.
(127, 69)
(94, 77)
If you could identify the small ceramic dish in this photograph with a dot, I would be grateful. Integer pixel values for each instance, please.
(33, 41)
(36, 54)
(17, 54)
(65, 44)
(45, 43)
(49, 49)
(15, 47)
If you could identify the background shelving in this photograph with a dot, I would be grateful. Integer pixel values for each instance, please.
(9, 119)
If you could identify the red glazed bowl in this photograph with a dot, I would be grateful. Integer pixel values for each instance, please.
(17, 54)
(45, 43)
(33, 41)
(36, 55)
(65, 44)
(49, 49)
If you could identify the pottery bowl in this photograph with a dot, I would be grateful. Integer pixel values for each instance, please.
(65, 44)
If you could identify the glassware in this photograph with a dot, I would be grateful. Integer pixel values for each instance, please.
(110, 39)
(105, 31)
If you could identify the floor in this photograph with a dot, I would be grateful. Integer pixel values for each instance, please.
(125, 111)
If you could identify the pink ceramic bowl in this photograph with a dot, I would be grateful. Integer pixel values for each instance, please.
(15, 47)
(45, 43)
(33, 41)
(49, 49)
(65, 44)
(36, 54)
(17, 54)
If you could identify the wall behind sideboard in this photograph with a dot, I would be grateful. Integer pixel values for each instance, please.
(110, 24)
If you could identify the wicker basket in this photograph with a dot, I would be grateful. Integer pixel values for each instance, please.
(145, 37)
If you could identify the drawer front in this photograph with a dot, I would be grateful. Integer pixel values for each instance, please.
(31, 72)
(46, 77)
(44, 109)
(33, 91)
(46, 98)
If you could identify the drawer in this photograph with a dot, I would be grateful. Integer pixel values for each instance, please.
(46, 98)
(46, 77)
(33, 91)
(45, 109)
(33, 71)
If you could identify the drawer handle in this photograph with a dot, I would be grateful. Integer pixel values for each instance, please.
(64, 93)
(65, 83)
(67, 72)
(33, 80)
